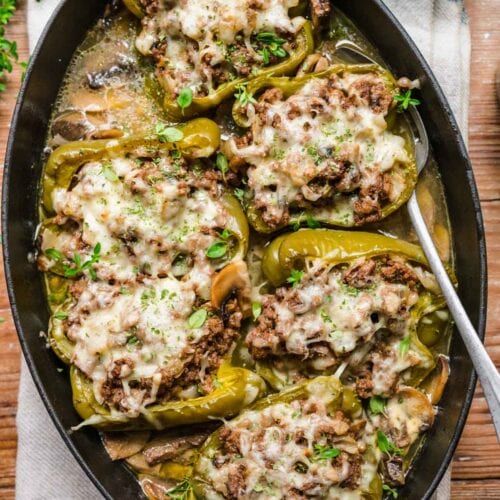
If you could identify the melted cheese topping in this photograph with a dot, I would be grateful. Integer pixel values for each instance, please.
(144, 216)
(279, 452)
(198, 35)
(139, 332)
(325, 131)
(323, 310)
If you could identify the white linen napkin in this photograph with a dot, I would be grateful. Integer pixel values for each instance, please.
(46, 470)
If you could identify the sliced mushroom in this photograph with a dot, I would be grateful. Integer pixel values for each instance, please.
(169, 445)
(438, 381)
(233, 279)
(393, 470)
(71, 126)
(408, 413)
(156, 488)
(121, 445)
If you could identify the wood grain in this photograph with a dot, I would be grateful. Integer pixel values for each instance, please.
(476, 466)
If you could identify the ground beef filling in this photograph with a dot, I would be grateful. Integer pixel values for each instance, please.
(201, 362)
(307, 312)
(318, 156)
(207, 60)
(300, 429)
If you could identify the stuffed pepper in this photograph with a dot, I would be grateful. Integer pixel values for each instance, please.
(310, 441)
(207, 51)
(326, 147)
(353, 302)
(141, 236)
(140, 208)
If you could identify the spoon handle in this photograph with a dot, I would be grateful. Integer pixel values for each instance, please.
(484, 366)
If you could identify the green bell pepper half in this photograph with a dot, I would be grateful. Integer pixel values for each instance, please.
(201, 138)
(291, 85)
(237, 388)
(332, 246)
(327, 388)
(290, 250)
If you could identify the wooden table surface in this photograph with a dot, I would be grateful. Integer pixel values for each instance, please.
(476, 466)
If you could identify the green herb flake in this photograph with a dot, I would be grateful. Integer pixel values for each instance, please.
(225, 234)
(168, 134)
(312, 223)
(183, 491)
(295, 277)
(185, 98)
(217, 250)
(54, 254)
(222, 163)
(243, 96)
(240, 195)
(405, 100)
(109, 173)
(61, 315)
(404, 346)
(325, 452)
(197, 319)
(133, 340)
(376, 405)
(390, 491)
(256, 310)
(386, 446)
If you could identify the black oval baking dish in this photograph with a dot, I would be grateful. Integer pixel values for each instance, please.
(22, 173)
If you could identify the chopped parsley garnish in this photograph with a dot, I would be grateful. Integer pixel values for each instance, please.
(256, 310)
(133, 340)
(312, 223)
(243, 96)
(79, 267)
(405, 100)
(109, 172)
(325, 452)
(404, 346)
(197, 319)
(390, 491)
(185, 98)
(182, 491)
(168, 134)
(295, 277)
(386, 446)
(225, 234)
(376, 405)
(61, 315)
(313, 151)
(54, 254)
(222, 163)
(272, 45)
(217, 250)
(240, 195)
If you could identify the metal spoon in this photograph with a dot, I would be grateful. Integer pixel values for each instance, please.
(484, 366)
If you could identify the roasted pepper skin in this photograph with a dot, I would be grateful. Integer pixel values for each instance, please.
(291, 85)
(327, 387)
(340, 247)
(332, 246)
(238, 388)
(201, 139)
